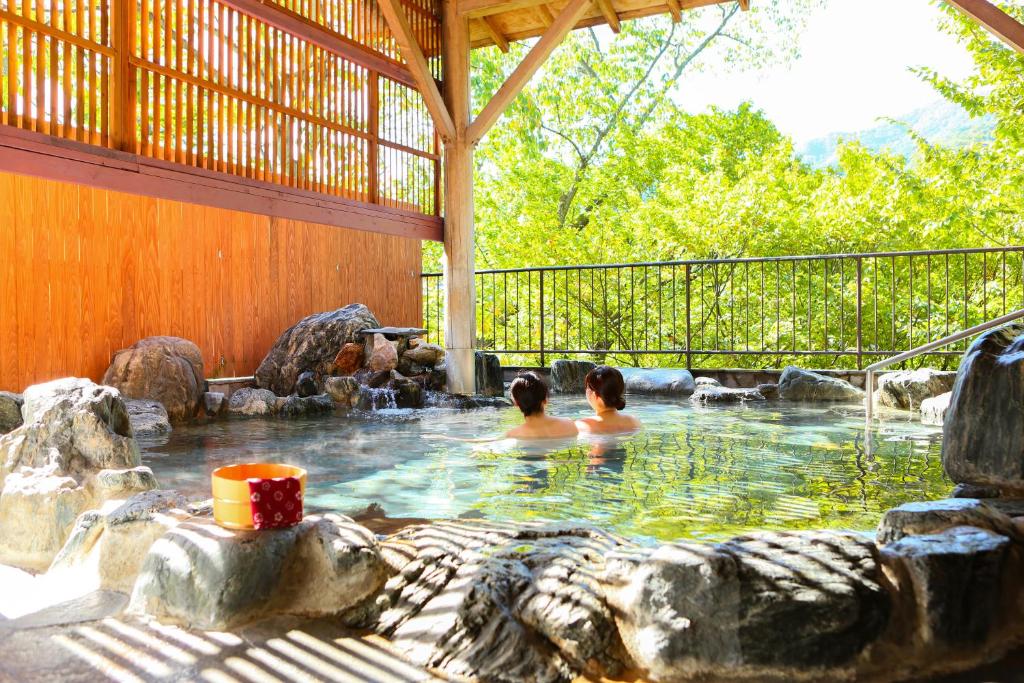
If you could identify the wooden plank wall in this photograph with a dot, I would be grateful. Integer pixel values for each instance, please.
(85, 272)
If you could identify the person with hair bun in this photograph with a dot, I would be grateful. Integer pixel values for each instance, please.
(605, 389)
(530, 395)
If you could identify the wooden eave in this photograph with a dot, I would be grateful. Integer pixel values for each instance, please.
(522, 19)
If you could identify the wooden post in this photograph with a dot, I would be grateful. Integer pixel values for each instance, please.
(460, 297)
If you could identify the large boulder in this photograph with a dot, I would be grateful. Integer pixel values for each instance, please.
(106, 547)
(568, 376)
(797, 384)
(164, 369)
(207, 577)
(935, 516)
(312, 344)
(658, 382)
(774, 603)
(50, 467)
(908, 389)
(148, 418)
(498, 602)
(983, 434)
(956, 578)
(10, 411)
(489, 378)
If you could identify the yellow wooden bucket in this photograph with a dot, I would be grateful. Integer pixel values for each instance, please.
(231, 505)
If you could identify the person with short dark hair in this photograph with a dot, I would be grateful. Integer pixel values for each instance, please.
(605, 389)
(530, 395)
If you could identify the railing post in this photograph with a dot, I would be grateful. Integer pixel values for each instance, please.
(542, 358)
(689, 363)
(121, 108)
(860, 317)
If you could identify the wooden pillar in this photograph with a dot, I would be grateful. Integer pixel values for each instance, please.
(459, 268)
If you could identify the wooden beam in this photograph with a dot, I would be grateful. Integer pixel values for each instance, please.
(608, 12)
(425, 83)
(496, 34)
(744, 5)
(564, 22)
(273, 14)
(43, 156)
(998, 22)
(546, 14)
(675, 10)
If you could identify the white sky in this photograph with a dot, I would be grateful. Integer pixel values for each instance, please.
(853, 68)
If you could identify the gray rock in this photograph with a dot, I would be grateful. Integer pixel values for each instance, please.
(10, 411)
(567, 376)
(498, 602)
(908, 389)
(659, 382)
(301, 406)
(312, 344)
(164, 369)
(956, 577)
(207, 577)
(710, 393)
(774, 603)
(769, 391)
(148, 418)
(677, 608)
(305, 385)
(107, 547)
(983, 434)
(344, 391)
(707, 382)
(489, 380)
(73, 429)
(253, 402)
(933, 410)
(797, 384)
(917, 518)
(214, 403)
(807, 599)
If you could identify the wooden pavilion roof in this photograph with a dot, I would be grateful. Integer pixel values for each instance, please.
(497, 22)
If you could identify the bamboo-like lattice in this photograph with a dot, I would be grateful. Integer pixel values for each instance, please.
(207, 84)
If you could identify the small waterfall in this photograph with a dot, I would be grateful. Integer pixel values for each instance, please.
(377, 399)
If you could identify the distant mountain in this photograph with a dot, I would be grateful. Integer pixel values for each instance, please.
(943, 123)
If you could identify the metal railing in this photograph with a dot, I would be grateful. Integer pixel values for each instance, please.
(840, 309)
(869, 377)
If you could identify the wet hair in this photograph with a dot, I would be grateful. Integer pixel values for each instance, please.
(529, 392)
(607, 382)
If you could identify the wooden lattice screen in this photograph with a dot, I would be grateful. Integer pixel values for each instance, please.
(324, 106)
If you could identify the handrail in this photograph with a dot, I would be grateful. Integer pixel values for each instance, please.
(749, 259)
(925, 348)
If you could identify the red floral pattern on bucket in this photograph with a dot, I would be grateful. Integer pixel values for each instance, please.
(275, 503)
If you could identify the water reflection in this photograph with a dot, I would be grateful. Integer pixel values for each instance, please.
(692, 472)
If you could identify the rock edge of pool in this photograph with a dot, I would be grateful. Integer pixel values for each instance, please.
(110, 565)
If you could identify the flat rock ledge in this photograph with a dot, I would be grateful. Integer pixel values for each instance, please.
(205, 576)
(797, 384)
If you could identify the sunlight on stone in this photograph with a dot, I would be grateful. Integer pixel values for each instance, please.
(164, 648)
(152, 666)
(106, 666)
(250, 671)
(227, 639)
(185, 638)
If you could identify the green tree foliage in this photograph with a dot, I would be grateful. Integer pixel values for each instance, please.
(598, 163)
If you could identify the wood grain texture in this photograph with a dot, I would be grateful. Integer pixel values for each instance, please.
(85, 272)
